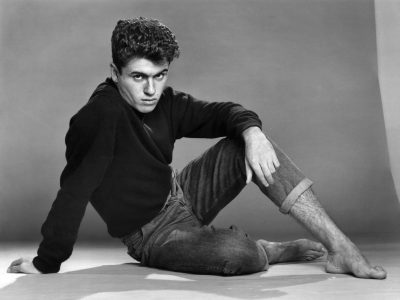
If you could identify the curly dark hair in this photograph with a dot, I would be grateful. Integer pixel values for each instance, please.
(145, 38)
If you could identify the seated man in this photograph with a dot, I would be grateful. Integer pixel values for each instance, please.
(119, 150)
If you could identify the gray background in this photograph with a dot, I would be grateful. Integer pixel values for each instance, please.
(308, 68)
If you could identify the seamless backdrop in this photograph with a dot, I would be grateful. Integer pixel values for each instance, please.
(307, 67)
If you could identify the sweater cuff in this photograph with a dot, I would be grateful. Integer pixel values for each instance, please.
(240, 129)
(44, 267)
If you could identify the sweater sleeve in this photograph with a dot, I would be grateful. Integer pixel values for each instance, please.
(90, 144)
(203, 119)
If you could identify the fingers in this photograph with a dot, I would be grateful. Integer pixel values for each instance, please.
(14, 269)
(25, 267)
(267, 173)
(17, 262)
(271, 168)
(15, 266)
(263, 172)
(263, 163)
(276, 161)
(260, 175)
(20, 265)
(249, 172)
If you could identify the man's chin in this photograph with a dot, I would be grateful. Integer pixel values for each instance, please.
(146, 109)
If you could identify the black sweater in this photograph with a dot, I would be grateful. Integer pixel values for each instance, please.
(118, 160)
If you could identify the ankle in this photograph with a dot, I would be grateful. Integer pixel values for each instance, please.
(340, 244)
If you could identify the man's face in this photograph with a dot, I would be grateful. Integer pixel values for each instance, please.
(141, 83)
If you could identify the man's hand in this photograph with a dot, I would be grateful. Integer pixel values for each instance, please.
(260, 156)
(22, 265)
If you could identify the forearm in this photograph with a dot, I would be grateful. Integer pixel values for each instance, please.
(59, 232)
(198, 118)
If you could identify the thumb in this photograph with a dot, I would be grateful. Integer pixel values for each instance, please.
(249, 172)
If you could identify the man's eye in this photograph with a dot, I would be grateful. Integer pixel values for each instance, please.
(159, 76)
(137, 77)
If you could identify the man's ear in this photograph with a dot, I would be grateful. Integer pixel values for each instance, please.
(114, 72)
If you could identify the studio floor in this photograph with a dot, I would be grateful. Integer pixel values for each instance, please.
(105, 271)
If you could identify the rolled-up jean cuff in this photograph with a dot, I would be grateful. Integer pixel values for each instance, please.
(294, 195)
(266, 266)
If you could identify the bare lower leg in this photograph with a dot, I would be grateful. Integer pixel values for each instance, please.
(343, 255)
(298, 250)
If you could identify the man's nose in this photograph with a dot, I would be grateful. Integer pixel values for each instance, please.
(149, 88)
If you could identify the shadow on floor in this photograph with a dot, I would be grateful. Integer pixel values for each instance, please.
(120, 281)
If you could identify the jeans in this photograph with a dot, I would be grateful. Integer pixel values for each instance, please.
(180, 238)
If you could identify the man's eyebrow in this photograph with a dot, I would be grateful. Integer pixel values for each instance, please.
(163, 71)
(146, 75)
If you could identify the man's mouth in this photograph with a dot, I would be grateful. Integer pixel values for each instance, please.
(149, 101)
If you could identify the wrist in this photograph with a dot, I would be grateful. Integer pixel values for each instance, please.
(250, 132)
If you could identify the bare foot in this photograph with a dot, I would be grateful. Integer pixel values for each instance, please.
(298, 250)
(349, 260)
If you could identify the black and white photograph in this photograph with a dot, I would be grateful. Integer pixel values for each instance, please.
(199, 149)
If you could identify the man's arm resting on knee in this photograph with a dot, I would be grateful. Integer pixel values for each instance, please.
(260, 156)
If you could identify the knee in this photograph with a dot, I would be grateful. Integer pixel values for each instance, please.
(236, 263)
(241, 257)
(233, 150)
(235, 146)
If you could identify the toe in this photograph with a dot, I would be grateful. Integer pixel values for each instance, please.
(309, 258)
(316, 246)
(311, 255)
(378, 272)
(318, 254)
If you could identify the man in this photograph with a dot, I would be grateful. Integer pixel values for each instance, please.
(119, 147)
